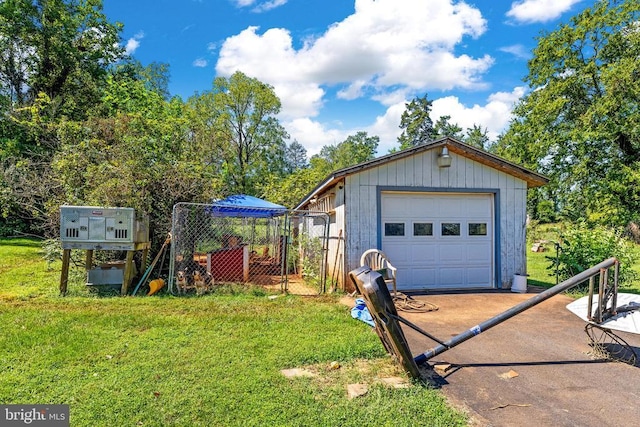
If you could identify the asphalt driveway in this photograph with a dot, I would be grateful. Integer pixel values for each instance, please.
(535, 369)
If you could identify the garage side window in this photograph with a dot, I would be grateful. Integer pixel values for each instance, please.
(450, 229)
(394, 228)
(422, 229)
(477, 229)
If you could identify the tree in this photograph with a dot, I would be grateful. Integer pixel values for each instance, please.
(416, 123)
(289, 190)
(54, 59)
(155, 75)
(419, 128)
(580, 124)
(296, 157)
(477, 137)
(134, 153)
(58, 48)
(237, 118)
(444, 127)
(354, 149)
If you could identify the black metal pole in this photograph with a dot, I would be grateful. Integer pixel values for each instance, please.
(537, 299)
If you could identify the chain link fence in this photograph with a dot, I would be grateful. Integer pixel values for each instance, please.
(278, 249)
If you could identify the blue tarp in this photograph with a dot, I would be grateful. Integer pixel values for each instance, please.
(361, 312)
(240, 205)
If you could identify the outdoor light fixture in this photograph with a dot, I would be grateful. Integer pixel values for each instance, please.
(444, 159)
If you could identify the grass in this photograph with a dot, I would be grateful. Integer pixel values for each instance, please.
(539, 264)
(212, 360)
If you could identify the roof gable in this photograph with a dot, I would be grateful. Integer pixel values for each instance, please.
(533, 179)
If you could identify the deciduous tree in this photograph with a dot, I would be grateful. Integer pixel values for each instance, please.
(580, 124)
(238, 119)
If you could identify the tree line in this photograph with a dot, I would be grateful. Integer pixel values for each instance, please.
(83, 123)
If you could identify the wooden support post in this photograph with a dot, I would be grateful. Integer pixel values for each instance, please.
(88, 262)
(128, 272)
(145, 254)
(64, 275)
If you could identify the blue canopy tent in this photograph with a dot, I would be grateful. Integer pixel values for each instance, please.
(241, 205)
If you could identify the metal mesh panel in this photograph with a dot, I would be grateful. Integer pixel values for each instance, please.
(282, 251)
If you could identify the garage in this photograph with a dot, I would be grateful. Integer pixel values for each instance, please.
(439, 240)
(448, 215)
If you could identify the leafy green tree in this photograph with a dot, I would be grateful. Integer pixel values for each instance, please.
(134, 154)
(54, 59)
(289, 190)
(580, 124)
(56, 47)
(584, 246)
(155, 76)
(416, 124)
(237, 119)
(355, 149)
(419, 128)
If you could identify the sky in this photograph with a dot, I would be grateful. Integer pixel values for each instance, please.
(344, 66)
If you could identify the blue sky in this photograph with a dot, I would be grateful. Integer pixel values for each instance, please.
(343, 66)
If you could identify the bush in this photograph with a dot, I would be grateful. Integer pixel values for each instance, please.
(584, 246)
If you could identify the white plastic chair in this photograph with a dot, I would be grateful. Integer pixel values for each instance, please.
(376, 260)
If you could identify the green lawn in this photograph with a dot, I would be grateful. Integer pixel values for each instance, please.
(540, 264)
(211, 361)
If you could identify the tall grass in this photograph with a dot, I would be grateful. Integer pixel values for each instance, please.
(212, 360)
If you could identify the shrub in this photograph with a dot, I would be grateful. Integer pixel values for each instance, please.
(584, 246)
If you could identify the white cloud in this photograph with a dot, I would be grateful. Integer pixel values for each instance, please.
(200, 63)
(244, 3)
(260, 6)
(268, 5)
(517, 50)
(387, 51)
(529, 11)
(133, 43)
(494, 115)
(313, 135)
(387, 127)
(385, 48)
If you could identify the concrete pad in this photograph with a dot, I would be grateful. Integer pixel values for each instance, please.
(534, 369)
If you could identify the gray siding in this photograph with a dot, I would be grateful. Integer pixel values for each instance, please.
(420, 172)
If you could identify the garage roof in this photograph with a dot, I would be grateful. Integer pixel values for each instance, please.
(533, 179)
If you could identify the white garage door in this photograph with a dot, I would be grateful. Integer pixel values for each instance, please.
(438, 240)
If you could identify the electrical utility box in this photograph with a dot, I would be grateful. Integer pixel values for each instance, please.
(102, 228)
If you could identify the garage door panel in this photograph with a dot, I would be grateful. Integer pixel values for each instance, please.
(478, 276)
(424, 206)
(478, 252)
(477, 207)
(396, 208)
(423, 275)
(423, 253)
(461, 258)
(454, 208)
(451, 252)
(398, 254)
(451, 277)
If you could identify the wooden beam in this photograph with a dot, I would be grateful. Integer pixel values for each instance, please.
(64, 275)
